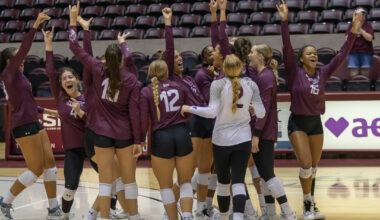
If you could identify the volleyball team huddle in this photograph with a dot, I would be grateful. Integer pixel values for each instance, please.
(219, 122)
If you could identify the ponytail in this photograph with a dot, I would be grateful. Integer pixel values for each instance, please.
(236, 87)
(273, 65)
(156, 95)
(113, 61)
(157, 71)
(233, 66)
(5, 55)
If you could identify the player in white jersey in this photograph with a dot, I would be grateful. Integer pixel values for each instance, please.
(230, 98)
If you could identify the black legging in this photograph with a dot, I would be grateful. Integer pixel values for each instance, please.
(231, 164)
(264, 159)
(74, 159)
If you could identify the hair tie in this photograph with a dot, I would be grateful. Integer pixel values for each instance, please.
(268, 62)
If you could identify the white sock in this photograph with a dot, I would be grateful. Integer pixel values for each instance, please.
(9, 198)
(209, 201)
(186, 215)
(200, 206)
(224, 216)
(238, 216)
(307, 197)
(249, 207)
(261, 200)
(92, 214)
(271, 209)
(286, 208)
(53, 203)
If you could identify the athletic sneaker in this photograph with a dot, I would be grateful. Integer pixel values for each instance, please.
(5, 210)
(120, 215)
(254, 216)
(201, 215)
(293, 216)
(308, 213)
(317, 213)
(165, 216)
(54, 213)
(211, 212)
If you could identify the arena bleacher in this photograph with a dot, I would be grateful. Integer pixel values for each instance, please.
(143, 19)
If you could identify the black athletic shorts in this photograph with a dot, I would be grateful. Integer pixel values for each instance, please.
(27, 130)
(106, 142)
(172, 141)
(311, 125)
(201, 127)
(89, 146)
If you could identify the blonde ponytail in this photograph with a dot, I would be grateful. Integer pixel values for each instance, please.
(156, 95)
(267, 53)
(157, 71)
(273, 65)
(232, 67)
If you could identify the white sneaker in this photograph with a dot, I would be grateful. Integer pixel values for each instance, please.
(5, 210)
(136, 217)
(293, 216)
(317, 213)
(211, 212)
(308, 211)
(165, 216)
(267, 217)
(254, 216)
(54, 213)
(120, 215)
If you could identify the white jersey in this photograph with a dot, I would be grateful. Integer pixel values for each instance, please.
(231, 129)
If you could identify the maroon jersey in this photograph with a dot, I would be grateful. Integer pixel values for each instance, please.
(187, 82)
(116, 117)
(171, 98)
(72, 128)
(18, 89)
(308, 91)
(361, 45)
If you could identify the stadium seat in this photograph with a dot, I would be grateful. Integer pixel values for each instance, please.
(24, 4)
(364, 3)
(325, 54)
(101, 23)
(161, 21)
(65, 3)
(206, 20)
(136, 10)
(316, 5)
(59, 60)
(154, 33)
(374, 14)
(145, 22)
(247, 6)
(143, 75)
(200, 8)
(108, 35)
(282, 87)
(126, 2)
(334, 84)
(93, 11)
(249, 30)
(30, 24)
(348, 15)
(180, 8)
(9, 14)
(377, 50)
(231, 31)
(39, 36)
(268, 6)
(43, 3)
(295, 5)
(374, 71)
(230, 7)
(85, 3)
(29, 13)
(4, 37)
(13, 26)
(331, 15)
(237, 19)
(31, 62)
(277, 56)
(6, 4)
(43, 90)
(181, 32)
(37, 77)
(59, 24)
(341, 27)
(271, 29)
(343, 72)
(322, 28)
(201, 31)
(61, 36)
(299, 28)
(375, 26)
(307, 16)
(93, 35)
(135, 33)
(76, 65)
(190, 20)
(340, 4)
(190, 59)
(156, 9)
(358, 83)
(139, 59)
(122, 22)
(277, 18)
(260, 18)
(54, 12)
(114, 10)
(106, 2)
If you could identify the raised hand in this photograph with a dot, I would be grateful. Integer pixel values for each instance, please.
(283, 10)
(356, 23)
(42, 16)
(222, 4)
(74, 11)
(121, 37)
(167, 13)
(85, 24)
(48, 38)
(213, 6)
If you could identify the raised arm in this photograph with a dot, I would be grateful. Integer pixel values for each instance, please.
(223, 37)
(9, 73)
(214, 23)
(50, 70)
(128, 61)
(169, 41)
(338, 60)
(87, 80)
(288, 54)
(266, 85)
(258, 106)
(134, 112)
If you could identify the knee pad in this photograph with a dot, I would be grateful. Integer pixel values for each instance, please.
(314, 172)
(50, 175)
(194, 181)
(264, 188)
(213, 182)
(27, 178)
(119, 185)
(238, 189)
(223, 189)
(186, 191)
(204, 179)
(167, 196)
(131, 191)
(305, 173)
(105, 189)
(68, 194)
(254, 172)
(275, 186)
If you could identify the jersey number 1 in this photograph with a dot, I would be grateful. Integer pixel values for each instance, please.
(105, 84)
(170, 105)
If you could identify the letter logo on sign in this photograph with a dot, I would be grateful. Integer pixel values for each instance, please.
(336, 127)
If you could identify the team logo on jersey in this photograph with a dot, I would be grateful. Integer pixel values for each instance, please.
(314, 84)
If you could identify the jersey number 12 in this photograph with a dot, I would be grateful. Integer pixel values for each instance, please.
(170, 105)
